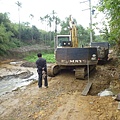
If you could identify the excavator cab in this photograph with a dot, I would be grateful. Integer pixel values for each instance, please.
(64, 41)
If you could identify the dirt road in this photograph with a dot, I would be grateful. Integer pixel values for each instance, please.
(63, 99)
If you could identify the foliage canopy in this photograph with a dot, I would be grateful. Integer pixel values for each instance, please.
(111, 8)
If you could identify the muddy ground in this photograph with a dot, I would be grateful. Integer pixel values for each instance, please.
(63, 99)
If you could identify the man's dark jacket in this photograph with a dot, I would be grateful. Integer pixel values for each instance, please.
(41, 64)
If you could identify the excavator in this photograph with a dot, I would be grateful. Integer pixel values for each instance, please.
(70, 56)
(103, 50)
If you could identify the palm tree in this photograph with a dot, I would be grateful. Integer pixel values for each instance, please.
(41, 19)
(54, 19)
(50, 24)
(26, 24)
(57, 22)
(19, 4)
(43, 36)
(46, 19)
(31, 17)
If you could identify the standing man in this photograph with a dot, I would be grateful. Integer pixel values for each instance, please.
(42, 71)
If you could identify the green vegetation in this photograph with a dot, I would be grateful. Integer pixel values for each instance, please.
(83, 34)
(14, 35)
(48, 56)
(111, 31)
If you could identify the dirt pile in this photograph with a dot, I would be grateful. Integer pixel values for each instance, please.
(32, 48)
(23, 51)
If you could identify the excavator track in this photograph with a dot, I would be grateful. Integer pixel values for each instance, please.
(82, 72)
(52, 70)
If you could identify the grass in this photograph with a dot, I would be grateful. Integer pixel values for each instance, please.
(48, 56)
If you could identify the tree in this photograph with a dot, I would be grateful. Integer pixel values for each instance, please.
(83, 34)
(19, 4)
(31, 17)
(26, 33)
(65, 27)
(26, 24)
(111, 8)
(5, 37)
(36, 33)
(57, 22)
(4, 19)
(53, 18)
(46, 19)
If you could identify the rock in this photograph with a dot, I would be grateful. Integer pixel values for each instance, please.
(105, 93)
(28, 64)
(25, 75)
(118, 97)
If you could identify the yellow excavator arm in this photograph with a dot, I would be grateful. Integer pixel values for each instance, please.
(73, 33)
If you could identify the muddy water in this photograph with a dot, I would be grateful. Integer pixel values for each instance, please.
(14, 76)
(10, 83)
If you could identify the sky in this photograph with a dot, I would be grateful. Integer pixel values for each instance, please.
(40, 8)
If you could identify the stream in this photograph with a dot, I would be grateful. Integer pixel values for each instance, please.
(12, 79)
(10, 83)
